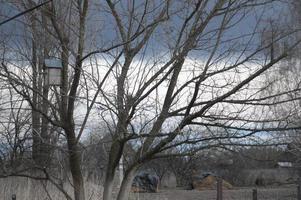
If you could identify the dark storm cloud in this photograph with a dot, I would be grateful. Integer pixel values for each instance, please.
(102, 31)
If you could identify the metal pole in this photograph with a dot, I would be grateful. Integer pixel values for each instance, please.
(219, 189)
(255, 194)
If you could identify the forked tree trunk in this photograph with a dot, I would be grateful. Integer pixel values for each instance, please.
(126, 184)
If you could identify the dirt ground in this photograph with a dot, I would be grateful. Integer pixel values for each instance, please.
(276, 193)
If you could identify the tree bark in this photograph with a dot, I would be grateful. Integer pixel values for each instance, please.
(35, 115)
(75, 166)
(114, 158)
(45, 135)
(126, 184)
(35, 99)
(108, 186)
(74, 152)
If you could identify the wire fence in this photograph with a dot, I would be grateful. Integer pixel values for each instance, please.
(262, 193)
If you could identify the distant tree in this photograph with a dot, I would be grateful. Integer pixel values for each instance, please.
(283, 82)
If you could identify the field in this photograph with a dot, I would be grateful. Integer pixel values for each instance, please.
(27, 189)
(279, 193)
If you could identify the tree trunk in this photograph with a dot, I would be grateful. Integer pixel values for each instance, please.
(35, 100)
(45, 150)
(108, 186)
(114, 159)
(35, 117)
(45, 135)
(126, 184)
(75, 166)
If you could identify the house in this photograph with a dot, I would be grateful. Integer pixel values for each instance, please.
(284, 164)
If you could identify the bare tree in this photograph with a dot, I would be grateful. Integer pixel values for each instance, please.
(161, 75)
(286, 77)
(49, 105)
(166, 97)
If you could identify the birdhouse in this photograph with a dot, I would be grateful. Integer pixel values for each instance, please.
(54, 71)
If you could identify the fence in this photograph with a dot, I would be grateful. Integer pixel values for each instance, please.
(219, 190)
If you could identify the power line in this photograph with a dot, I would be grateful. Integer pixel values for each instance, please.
(24, 12)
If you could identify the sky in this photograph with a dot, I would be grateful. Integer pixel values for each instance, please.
(101, 21)
(101, 26)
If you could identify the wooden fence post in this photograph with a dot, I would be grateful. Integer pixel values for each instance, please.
(219, 189)
(14, 197)
(255, 194)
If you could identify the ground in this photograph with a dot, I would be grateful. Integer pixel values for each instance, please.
(275, 193)
(29, 189)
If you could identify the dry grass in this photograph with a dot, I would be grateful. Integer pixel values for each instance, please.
(28, 189)
(283, 193)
